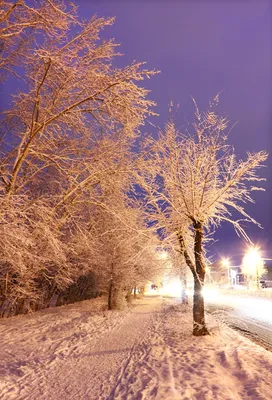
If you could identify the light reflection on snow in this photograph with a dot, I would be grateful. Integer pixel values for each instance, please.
(253, 307)
(210, 294)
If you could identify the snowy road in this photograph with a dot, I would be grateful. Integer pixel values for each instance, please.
(252, 315)
(76, 353)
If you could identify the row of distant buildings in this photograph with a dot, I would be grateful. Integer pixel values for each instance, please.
(233, 274)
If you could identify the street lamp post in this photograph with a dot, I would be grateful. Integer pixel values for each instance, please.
(257, 277)
(233, 274)
(253, 264)
(226, 264)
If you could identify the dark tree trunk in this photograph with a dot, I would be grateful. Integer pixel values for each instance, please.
(184, 296)
(129, 295)
(110, 294)
(199, 327)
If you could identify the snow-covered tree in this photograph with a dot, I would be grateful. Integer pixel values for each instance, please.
(68, 131)
(21, 22)
(33, 257)
(73, 89)
(127, 247)
(193, 182)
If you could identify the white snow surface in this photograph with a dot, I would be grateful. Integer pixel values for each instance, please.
(81, 351)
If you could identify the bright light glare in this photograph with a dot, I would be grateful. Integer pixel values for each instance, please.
(233, 273)
(163, 255)
(240, 287)
(150, 291)
(225, 262)
(252, 263)
(210, 294)
(259, 309)
(172, 288)
(252, 257)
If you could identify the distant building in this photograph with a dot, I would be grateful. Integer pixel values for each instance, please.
(268, 267)
(233, 275)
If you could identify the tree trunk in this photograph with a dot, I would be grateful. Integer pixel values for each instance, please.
(129, 295)
(134, 291)
(119, 298)
(110, 295)
(199, 326)
(184, 296)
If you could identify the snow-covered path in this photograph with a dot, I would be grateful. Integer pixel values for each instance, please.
(70, 352)
(74, 352)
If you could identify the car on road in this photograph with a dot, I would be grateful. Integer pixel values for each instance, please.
(266, 284)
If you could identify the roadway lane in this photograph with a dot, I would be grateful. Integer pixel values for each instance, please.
(251, 315)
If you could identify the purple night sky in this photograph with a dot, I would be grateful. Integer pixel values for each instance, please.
(201, 48)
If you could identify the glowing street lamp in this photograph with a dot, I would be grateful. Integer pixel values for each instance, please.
(163, 255)
(226, 264)
(253, 264)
